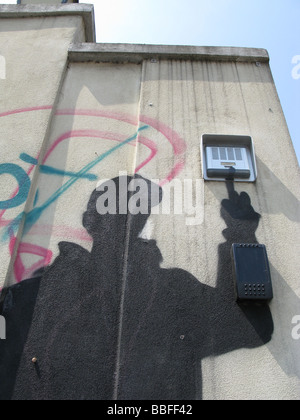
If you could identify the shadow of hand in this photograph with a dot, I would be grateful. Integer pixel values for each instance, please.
(239, 216)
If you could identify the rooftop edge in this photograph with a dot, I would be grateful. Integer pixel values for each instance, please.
(86, 11)
(136, 53)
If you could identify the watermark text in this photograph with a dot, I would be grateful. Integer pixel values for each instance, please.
(2, 67)
(2, 328)
(141, 196)
(296, 68)
(296, 329)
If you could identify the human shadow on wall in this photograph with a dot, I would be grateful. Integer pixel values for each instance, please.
(112, 324)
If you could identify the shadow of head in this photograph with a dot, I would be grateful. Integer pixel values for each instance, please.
(119, 204)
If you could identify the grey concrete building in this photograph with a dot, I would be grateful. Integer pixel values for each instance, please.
(102, 303)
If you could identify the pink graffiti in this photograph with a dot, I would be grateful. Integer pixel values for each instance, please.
(25, 248)
(19, 269)
(177, 142)
(21, 110)
(106, 136)
(178, 146)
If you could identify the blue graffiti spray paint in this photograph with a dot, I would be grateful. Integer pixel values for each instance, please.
(49, 170)
(32, 217)
(23, 181)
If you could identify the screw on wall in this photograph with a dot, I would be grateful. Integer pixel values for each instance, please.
(35, 363)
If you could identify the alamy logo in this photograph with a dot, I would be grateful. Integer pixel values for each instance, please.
(296, 329)
(2, 67)
(2, 328)
(296, 68)
(141, 196)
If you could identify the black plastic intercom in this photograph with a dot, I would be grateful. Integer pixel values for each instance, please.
(251, 272)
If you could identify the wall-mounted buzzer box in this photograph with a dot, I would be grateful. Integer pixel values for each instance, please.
(228, 157)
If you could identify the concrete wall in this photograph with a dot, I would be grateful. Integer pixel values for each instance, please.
(34, 52)
(129, 317)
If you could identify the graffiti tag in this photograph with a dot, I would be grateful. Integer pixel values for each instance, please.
(20, 194)
(23, 182)
(24, 185)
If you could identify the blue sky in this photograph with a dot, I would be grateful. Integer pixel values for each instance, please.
(274, 25)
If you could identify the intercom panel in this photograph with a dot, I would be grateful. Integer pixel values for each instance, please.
(251, 272)
(228, 157)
